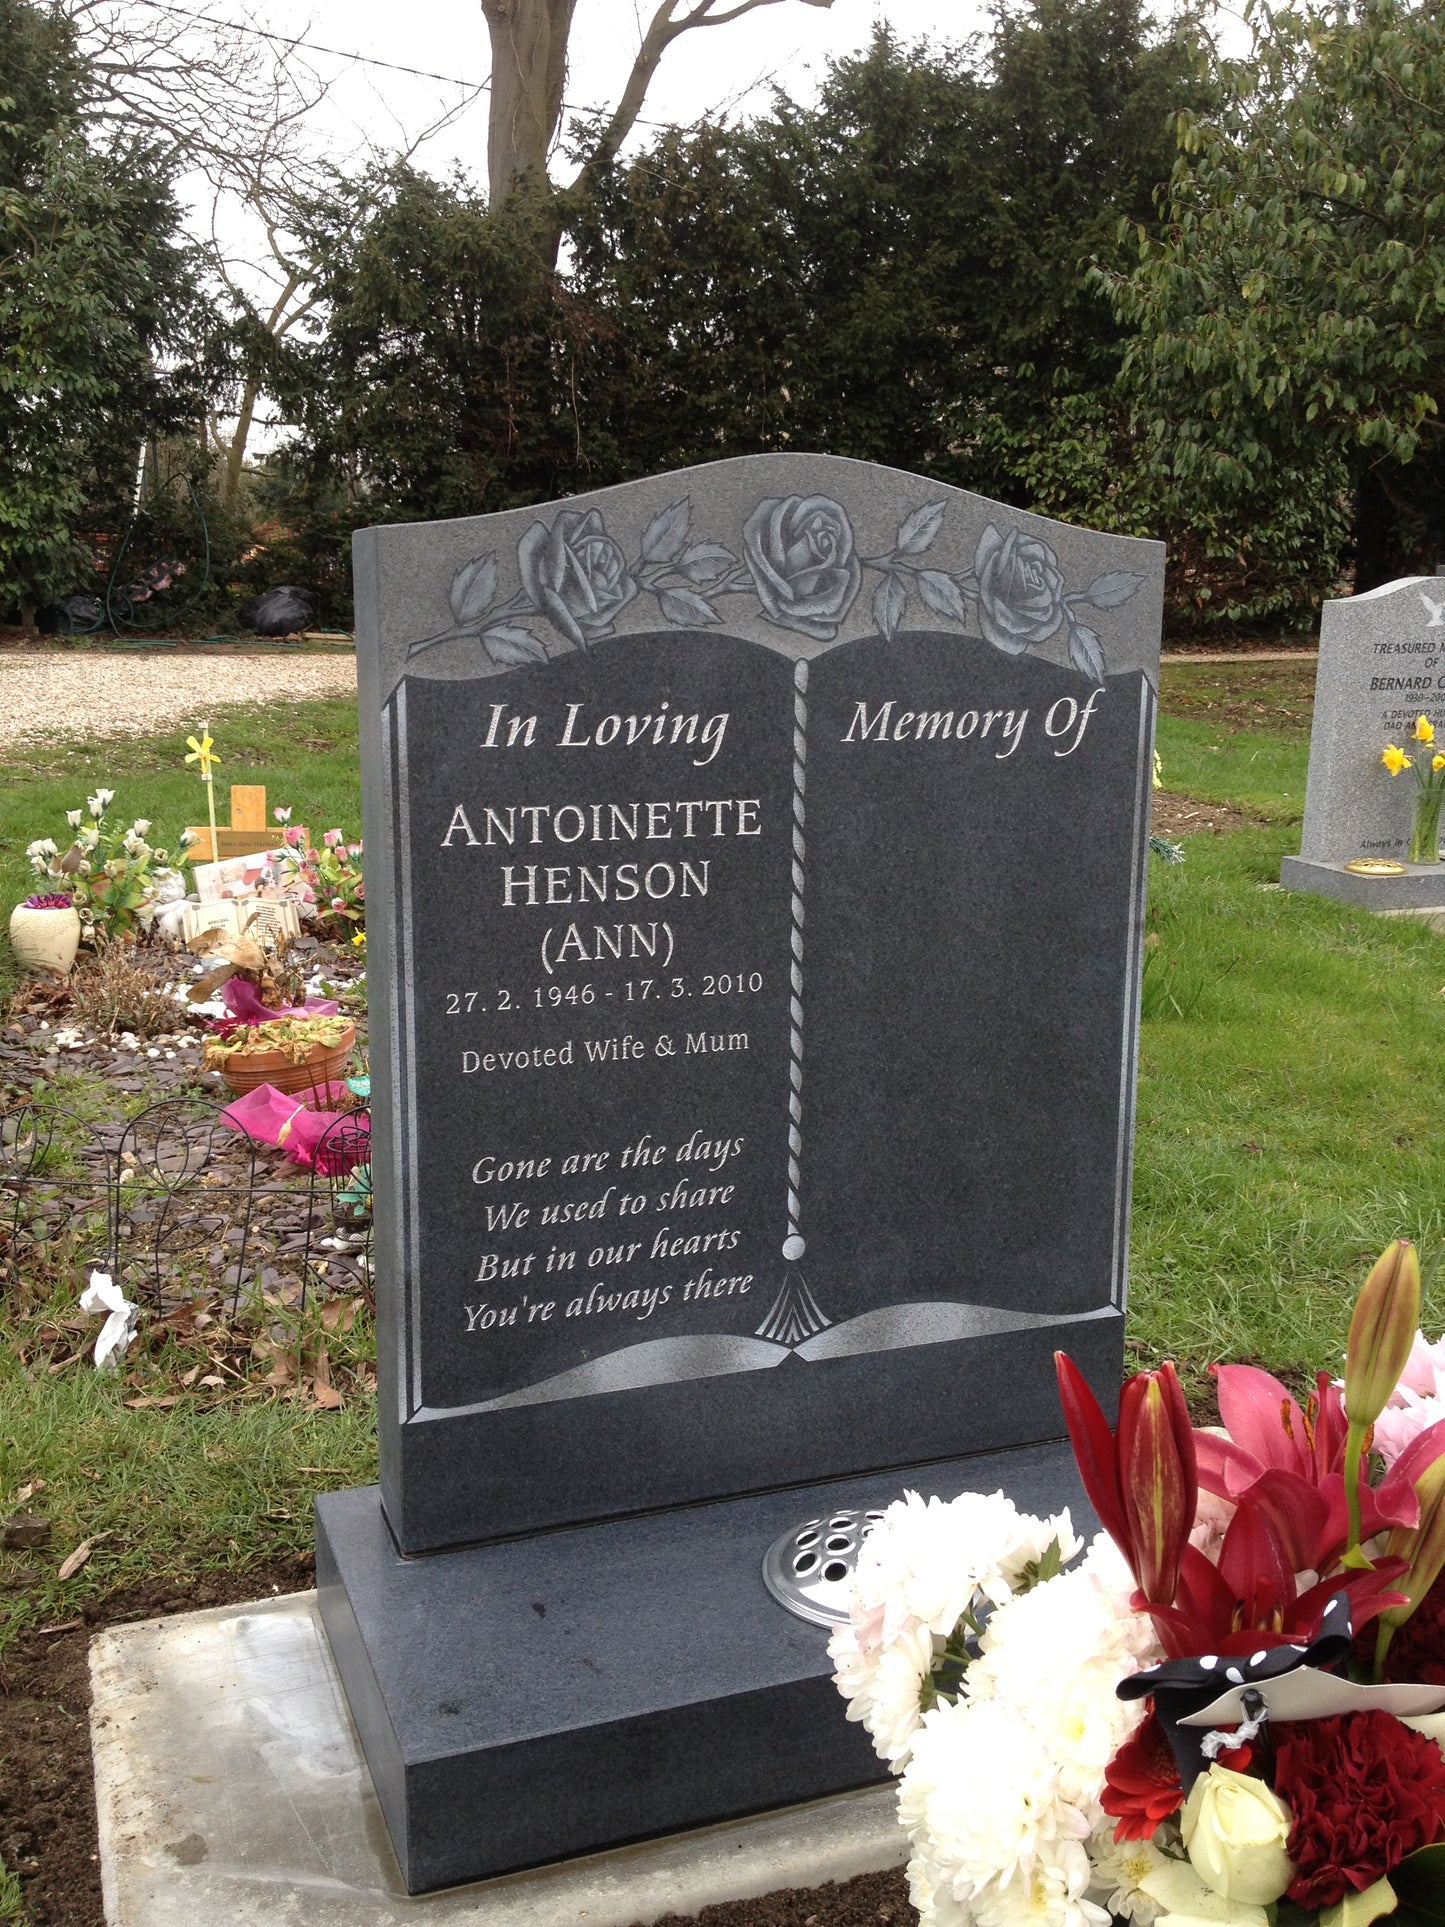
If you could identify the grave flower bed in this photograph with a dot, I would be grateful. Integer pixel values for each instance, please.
(1230, 1707)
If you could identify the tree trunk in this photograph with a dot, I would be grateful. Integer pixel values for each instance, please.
(236, 449)
(529, 69)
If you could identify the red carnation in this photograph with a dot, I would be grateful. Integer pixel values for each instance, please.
(1141, 1783)
(1365, 1790)
(1417, 1652)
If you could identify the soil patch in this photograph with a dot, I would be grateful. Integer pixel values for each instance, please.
(1185, 816)
(1278, 695)
(47, 1788)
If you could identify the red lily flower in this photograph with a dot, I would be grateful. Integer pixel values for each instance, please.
(1248, 1601)
(1142, 1482)
(1292, 1462)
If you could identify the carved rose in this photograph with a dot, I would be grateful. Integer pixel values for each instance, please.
(800, 555)
(1020, 589)
(575, 575)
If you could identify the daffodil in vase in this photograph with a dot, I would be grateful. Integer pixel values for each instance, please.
(1429, 766)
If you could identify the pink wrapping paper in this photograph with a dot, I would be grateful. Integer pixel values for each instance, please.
(281, 1118)
(243, 1000)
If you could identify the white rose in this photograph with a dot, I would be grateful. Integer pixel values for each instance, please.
(1235, 1830)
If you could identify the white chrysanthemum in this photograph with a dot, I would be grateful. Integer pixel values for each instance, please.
(1120, 1869)
(1053, 1894)
(981, 1794)
(883, 1684)
(925, 1559)
(1053, 1657)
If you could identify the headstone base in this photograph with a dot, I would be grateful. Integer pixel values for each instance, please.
(574, 1690)
(1421, 888)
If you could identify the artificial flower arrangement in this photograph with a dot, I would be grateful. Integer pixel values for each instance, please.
(326, 881)
(113, 876)
(1225, 1709)
(1428, 764)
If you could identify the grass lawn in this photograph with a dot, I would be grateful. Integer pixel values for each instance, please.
(1288, 1128)
(304, 753)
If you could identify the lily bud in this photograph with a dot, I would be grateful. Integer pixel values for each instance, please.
(1423, 1545)
(1158, 1482)
(1382, 1330)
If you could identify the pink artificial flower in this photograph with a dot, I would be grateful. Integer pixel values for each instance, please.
(353, 849)
(291, 836)
(332, 838)
(338, 903)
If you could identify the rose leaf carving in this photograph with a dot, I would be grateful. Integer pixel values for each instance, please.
(918, 530)
(689, 611)
(473, 588)
(889, 601)
(666, 533)
(942, 594)
(510, 645)
(1085, 652)
(1108, 591)
(706, 561)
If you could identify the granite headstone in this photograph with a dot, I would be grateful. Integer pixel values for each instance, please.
(755, 862)
(1381, 664)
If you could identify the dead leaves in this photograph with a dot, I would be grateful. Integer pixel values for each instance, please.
(72, 1564)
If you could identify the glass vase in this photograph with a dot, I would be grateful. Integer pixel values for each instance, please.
(1425, 830)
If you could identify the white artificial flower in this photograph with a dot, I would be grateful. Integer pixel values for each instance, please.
(135, 845)
(98, 803)
(188, 837)
(102, 1294)
(141, 826)
(72, 817)
(88, 837)
(43, 846)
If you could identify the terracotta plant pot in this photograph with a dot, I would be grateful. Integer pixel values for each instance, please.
(45, 939)
(326, 1064)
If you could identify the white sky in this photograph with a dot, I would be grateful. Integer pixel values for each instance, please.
(705, 70)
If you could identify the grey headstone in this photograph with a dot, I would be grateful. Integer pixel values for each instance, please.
(1382, 662)
(755, 863)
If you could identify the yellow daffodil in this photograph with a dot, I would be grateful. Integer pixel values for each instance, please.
(1394, 759)
(204, 753)
(1437, 761)
(1424, 730)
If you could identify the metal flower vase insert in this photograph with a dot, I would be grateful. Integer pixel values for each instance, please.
(1428, 764)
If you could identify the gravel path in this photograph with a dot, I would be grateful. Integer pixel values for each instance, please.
(45, 694)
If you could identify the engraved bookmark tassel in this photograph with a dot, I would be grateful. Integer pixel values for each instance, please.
(795, 1314)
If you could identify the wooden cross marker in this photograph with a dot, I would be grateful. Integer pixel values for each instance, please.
(247, 834)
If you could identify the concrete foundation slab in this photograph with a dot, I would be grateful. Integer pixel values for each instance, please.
(231, 1789)
(1420, 890)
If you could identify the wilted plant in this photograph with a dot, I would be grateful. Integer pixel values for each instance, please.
(116, 991)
